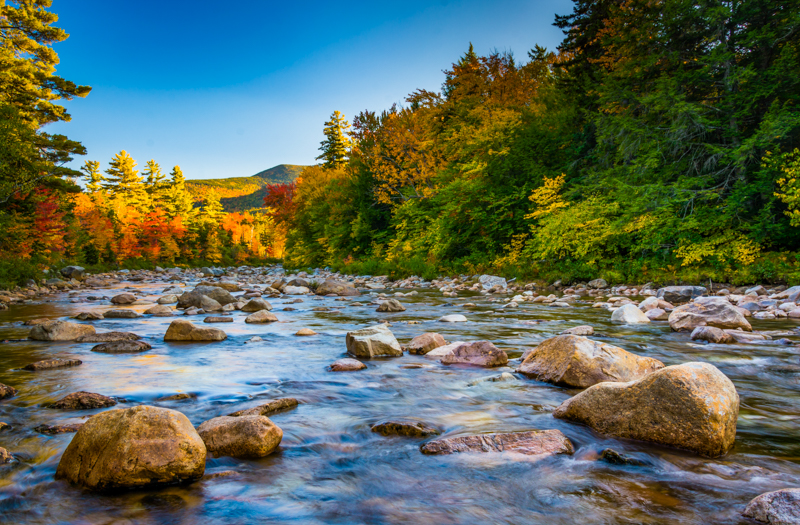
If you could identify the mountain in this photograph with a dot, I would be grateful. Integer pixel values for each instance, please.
(239, 194)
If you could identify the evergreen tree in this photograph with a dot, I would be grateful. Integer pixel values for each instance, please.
(212, 208)
(178, 201)
(124, 181)
(154, 182)
(336, 146)
(94, 179)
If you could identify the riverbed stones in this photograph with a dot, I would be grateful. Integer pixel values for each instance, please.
(537, 443)
(7, 391)
(122, 347)
(692, 406)
(373, 341)
(296, 290)
(597, 284)
(207, 304)
(629, 314)
(305, 332)
(168, 299)
(89, 316)
(52, 430)
(347, 365)
(491, 281)
(391, 306)
(195, 297)
(107, 337)
(415, 429)
(583, 330)
(276, 405)
(180, 330)
(780, 507)
(576, 361)
(256, 305)
(122, 313)
(479, 353)
(339, 288)
(218, 319)
(244, 437)
(59, 331)
(139, 447)
(261, 316)
(5, 456)
(712, 334)
(719, 314)
(73, 272)
(225, 285)
(48, 364)
(160, 310)
(123, 298)
(82, 401)
(422, 344)
(657, 314)
(680, 294)
(453, 318)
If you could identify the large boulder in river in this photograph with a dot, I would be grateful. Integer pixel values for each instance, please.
(180, 330)
(122, 313)
(108, 337)
(7, 391)
(123, 298)
(160, 310)
(391, 306)
(537, 443)
(692, 406)
(718, 313)
(572, 360)
(59, 331)
(780, 507)
(712, 335)
(629, 314)
(122, 347)
(82, 401)
(225, 285)
(73, 272)
(480, 353)
(331, 286)
(256, 305)
(373, 341)
(168, 299)
(133, 448)
(490, 281)
(680, 294)
(422, 344)
(261, 316)
(244, 437)
(195, 297)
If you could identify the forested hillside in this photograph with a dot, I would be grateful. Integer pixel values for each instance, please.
(240, 194)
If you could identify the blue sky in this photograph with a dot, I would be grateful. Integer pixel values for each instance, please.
(227, 89)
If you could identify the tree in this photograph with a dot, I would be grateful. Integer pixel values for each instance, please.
(94, 179)
(178, 201)
(124, 182)
(336, 146)
(212, 208)
(154, 182)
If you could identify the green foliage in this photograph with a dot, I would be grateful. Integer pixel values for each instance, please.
(336, 146)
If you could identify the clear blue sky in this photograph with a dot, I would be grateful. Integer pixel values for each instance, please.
(227, 89)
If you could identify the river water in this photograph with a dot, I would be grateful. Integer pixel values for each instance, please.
(330, 467)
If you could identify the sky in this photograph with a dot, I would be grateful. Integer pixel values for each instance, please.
(228, 89)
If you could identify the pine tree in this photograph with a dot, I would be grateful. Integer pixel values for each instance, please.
(124, 182)
(94, 179)
(212, 208)
(336, 146)
(178, 201)
(154, 182)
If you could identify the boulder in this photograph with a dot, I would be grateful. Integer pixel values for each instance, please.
(180, 330)
(195, 297)
(5, 456)
(122, 347)
(305, 332)
(218, 319)
(657, 314)
(52, 430)
(373, 341)
(168, 299)
(339, 288)
(576, 361)
(541, 443)
(207, 304)
(629, 314)
(415, 429)
(597, 284)
(453, 318)
(583, 330)
(490, 281)
(59, 331)
(680, 294)
(780, 507)
(718, 314)
(108, 337)
(347, 365)
(48, 364)
(160, 310)
(296, 290)
(227, 286)
(391, 306)
(122, 313)
(262, 316)
(240, 437)
(123, 298)
(712, 335)
(133, 448)
(89, 316)
(422, 344)
(444, 350)
(480, 353)
(740, 336)
(276, 405)
(7, 391)
(756, 290)
(73, 272)
(82, 401)
(256, 305)
(692, 406)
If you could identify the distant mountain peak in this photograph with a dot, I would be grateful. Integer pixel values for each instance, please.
(287, 172)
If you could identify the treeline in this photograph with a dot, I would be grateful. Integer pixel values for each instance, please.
(658, 142)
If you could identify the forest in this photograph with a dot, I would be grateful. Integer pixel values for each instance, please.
(658, 142)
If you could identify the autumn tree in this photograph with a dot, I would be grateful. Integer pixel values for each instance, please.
(124, 182)
(94, 179)
(336, 146)
(154, 181)
(178, 202)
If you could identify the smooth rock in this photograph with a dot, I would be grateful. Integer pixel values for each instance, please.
(59, 331)
(597, 284)
(296, 290)
(391, 306)
(490, 281)
(680, 294)
(5, 456)
(336, 287)
(244, 437)
(540, 443)
(422, 344)
(107, 337)
(657, 314)
(453, 318)
(218, 319)
(256, 305)
(480, 353)
(266, 409)
(52, 430)
(720, 315)
(122, 313)
(712, 335)
(48, 364)
(262, 316)
(305, 332)
(780, 507)
(122, 347)
(82, 401)
(373, 341)
(168, 299)
(629, 314)
(180, 330)
(583, 330)
(347, 365)
(444, 350)
(405, 428)
(73, 272)
(123, 298)
(160, 310)
(89, 316)
(7, 391)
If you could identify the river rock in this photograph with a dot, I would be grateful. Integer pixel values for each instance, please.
(52, 430)
(256, 305)
(583, 330)
(422, 344)
(490, 281)
(453, 318)
(123, 298)
(82, 401)
(742, 337)
(242, 437)
(168, 299)
(680, 294)
(347, 365)
(780, 507)
(712, 335)
(415, 429)
(225, 285)
(373, 341)
(122, 313)
(218, 319)
(480, 353)
(339, 288)
(541, 443)
(657, 314)
(107, 337)
(59, 331)
(180, 330)
(7, 391)
(629, 314)
(692, 406)
(73, 272)
(261, 316)
(5, 456)
(719, 314)
(266, 409)
(305, 332)
(122, 347)
(296, 290)
(139, 447)
(89, 316)
(445, 350)
(576, 361)
(756, 290)
(597, 284)
(195, 297)
(207, 304)
(160, 310)
(48, 364)
(391, 306)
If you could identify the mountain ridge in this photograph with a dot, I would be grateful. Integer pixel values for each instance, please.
(240, 194)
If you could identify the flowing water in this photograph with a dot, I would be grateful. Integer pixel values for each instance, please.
(330, 467)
